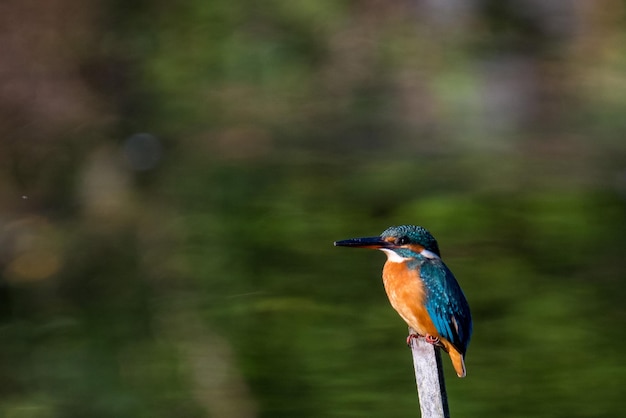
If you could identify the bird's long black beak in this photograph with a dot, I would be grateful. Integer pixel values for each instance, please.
(369, 242)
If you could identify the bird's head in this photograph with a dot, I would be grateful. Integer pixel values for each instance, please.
(399, 243)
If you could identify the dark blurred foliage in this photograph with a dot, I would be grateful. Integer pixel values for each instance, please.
(174, 175)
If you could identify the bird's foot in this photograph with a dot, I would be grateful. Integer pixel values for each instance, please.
(431, 339)
(410, 338)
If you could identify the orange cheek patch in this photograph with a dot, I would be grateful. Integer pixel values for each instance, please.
(416, 248)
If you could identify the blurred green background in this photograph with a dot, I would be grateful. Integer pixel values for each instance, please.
(174, 175)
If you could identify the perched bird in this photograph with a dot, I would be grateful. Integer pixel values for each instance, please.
(422, 289)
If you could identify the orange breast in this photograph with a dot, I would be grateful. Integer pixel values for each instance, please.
(406, 294)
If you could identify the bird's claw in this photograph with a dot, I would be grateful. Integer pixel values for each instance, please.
(430, 339)
(410, 338)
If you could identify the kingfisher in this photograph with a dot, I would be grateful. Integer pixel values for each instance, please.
(422, 289)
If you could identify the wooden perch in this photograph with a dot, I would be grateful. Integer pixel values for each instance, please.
(431, 387)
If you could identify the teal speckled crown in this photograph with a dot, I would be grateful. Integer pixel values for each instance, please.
(415, 235)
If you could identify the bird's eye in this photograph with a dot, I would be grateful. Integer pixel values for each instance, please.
(402, 240)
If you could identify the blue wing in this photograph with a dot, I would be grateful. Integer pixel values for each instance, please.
(446, 303)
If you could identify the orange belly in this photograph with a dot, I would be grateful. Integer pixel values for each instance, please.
(406, 294)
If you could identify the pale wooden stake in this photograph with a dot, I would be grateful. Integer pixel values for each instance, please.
(431, 387)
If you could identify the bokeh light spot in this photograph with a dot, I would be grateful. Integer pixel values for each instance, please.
(33, 266)
(143, 151)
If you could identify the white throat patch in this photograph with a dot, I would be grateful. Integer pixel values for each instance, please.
(392, 256)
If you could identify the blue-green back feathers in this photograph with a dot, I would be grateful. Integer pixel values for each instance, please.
(446, 303)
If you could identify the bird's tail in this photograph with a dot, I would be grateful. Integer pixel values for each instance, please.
(457, 358)
(458, 362)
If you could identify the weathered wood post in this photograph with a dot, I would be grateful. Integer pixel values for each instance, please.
(431, 387)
